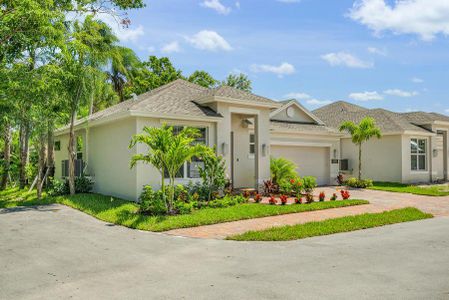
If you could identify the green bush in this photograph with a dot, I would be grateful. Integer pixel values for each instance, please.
(282, 169)
(356, 183)
(184, 208)
(213, 174)
(309, 184)
(151, 202)
(59, 188)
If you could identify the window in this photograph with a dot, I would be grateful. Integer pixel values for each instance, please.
(57, 146)
(191, 169)
(252, 143)
(418, 150)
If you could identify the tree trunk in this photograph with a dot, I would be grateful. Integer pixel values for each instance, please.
(51, 153)
(72, 153)
(6, 156)
(23, 153)
(360, 161)
(41, 165)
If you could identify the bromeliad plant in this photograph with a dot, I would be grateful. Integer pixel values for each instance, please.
(345, 194)
(167, 153)
(284, 199)
(322, 196)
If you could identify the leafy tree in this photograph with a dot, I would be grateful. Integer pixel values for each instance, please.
(168, 152)
(89, 45)
(240, 81)
(202, 78)
(282, 169)
(361, 133)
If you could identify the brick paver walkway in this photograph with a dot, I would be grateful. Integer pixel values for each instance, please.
(379, 201)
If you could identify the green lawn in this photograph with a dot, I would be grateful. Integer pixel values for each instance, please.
(344, 224)
(404, 188)
(123, 212)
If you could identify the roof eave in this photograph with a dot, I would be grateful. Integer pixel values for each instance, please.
(136, 113)
(211, 99)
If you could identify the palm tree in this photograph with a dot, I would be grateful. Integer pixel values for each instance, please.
(281, 169)
(361, 133)
(168, 152)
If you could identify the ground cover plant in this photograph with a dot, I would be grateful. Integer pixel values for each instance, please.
(435, 190)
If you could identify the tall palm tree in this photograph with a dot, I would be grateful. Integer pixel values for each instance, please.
(361, 133)
(124, 63)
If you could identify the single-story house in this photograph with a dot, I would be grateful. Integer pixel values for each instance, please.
(247, 130)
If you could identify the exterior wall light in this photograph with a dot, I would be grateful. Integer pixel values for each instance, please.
(224, 148)
(264, 149)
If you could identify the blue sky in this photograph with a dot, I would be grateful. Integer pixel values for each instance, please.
(374, 53)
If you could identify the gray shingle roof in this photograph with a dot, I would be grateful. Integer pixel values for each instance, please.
(423, 118)
(230, 92)
(336, 113)
(289, 126)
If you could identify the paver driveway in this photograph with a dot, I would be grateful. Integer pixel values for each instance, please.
(59, 253)
(379, 202)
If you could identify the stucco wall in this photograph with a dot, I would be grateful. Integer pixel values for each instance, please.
(323, 144)
(244, 162)
(298, 115)
(381, 158)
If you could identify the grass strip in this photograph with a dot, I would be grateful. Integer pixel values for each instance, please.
(331, 226)
(417, 190)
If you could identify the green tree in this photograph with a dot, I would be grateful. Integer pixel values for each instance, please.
(203, 78)
(213, 173)
(361, 133)
(168, 152)
(240, 81)
(88, 46)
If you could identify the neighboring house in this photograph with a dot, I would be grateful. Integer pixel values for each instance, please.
(247, 130)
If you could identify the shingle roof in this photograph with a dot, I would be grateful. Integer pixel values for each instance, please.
(423, 118)
(289, 126)
(230, 92)
(336, 113)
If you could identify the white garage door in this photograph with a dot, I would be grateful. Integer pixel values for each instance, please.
(311, 161)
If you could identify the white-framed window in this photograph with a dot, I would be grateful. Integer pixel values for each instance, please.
(191, 169)
(252, 143)
(418, 152)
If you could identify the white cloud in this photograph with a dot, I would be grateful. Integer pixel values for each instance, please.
(237, 4)
(318, 102)
(299, 96)
(377, 51)
(217, 6)
(417, 80)
(400, 93)
(447, 111)
(289, 1)
(209, 40)
(366, 96)
(151, 49)
(283, 69)
(426, 18)
(171, 47)
(347, 60)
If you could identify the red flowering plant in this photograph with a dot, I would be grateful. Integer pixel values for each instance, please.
(334, 197)
(257, 198)
(272, 200)
(297, 186)
(345, 194)
(298, 200)
(322, 196)
(284, 199)
(246, 194)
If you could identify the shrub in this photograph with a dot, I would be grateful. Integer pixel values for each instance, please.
(345, 194)
(322, 196)
(296, 186)
(184, 208)
(213, 173)
(282, 169)
(226, 201)
(202, 191)
(309, 184)
(82, 185)
(181, 193)
(269, 187)
(298, 200)
(340, 179)
(284, 199)
(309, 198)
(151, 202)
(359, 183)
(246, 194)
(285, 187)
(272, 200)
(334, 197)
(257, 198)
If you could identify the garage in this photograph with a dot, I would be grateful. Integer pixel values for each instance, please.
(311, 161)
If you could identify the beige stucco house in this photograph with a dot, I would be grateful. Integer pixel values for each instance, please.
(247, 130)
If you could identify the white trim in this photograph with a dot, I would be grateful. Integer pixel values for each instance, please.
(302, 144)
(245, 111)
(136, 113)
(298, 105)
(292, 131)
